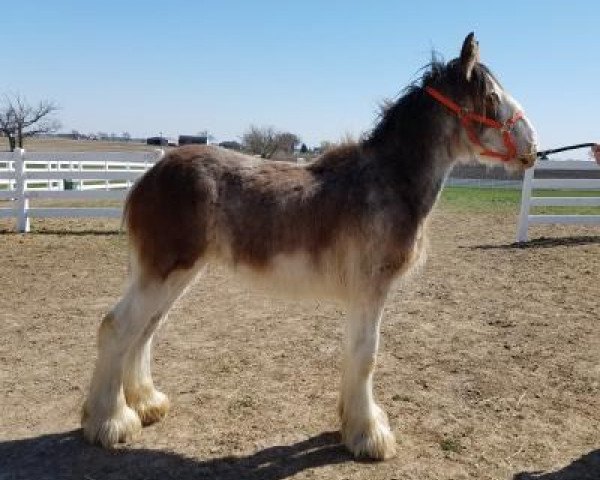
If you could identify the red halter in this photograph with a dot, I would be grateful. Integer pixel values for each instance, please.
(466, 118)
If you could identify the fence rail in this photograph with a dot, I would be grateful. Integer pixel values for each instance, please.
(530, 183)
(67, 176)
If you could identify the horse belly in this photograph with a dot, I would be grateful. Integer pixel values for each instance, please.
(296, 275)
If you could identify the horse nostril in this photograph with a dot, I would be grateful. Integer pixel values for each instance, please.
(527, 160)
(528, 157)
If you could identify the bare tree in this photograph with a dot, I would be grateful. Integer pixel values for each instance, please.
(265, 141)
(19, 119)
(260, 141)
(126, 136)
(8, 126)
(33, 119)
(287, 142)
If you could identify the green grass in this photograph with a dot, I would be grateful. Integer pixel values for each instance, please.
(471, 199)
(460, 199)
(506, 200)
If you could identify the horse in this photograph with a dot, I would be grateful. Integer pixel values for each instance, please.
(344, 226)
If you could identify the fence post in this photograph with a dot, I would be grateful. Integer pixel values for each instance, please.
(525, 205)
(22, 201)
(106, 182)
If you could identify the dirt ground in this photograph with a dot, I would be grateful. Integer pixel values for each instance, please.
(54, 144)
(489, 365)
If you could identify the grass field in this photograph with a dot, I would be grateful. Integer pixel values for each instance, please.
(476, 199)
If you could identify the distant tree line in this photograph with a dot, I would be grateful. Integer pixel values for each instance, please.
(20, 119)
(105, 136)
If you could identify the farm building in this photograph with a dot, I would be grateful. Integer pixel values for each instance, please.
(193, 139)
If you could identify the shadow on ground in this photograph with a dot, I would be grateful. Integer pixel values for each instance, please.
(586, 467)
(67, 456)
(542, 242)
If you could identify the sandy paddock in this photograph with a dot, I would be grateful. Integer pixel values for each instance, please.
(489, 364)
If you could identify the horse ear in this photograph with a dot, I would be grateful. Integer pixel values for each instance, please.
(469, 55)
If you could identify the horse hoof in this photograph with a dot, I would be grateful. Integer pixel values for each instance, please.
(373, 440)
(150, 407)
(118, 428)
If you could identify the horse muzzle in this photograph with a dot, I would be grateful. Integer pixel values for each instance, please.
(527, 160)
(526, 154)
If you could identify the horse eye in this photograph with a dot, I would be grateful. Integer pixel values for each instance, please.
(494, 99)
(492, 102)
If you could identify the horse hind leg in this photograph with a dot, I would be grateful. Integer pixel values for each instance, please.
(124, 353)
(106, 418)
(150, 404)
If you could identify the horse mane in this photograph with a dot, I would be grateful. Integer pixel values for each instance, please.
(337, 159)
(407, 117)
(407, 127)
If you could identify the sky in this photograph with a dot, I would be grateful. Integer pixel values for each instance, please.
(315, 68)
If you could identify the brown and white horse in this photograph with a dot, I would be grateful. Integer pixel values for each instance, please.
(345, 226)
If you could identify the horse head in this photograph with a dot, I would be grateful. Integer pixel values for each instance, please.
(492, 124)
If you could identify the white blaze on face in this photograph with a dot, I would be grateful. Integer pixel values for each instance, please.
(523, 132)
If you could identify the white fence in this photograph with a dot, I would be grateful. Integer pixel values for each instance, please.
(530, 183)
(67, 176)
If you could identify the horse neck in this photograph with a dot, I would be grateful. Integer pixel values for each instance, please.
(416, 148)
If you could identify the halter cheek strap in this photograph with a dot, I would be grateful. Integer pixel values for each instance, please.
(467, 118)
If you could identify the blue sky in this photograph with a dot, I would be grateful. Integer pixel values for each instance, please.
(315, 68)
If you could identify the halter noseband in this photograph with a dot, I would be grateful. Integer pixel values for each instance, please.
(466, 118)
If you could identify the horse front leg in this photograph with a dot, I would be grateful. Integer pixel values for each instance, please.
(364, 425)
